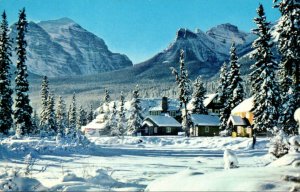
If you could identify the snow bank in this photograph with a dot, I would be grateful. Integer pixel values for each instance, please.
(243, 179)
(216, 143)
(286, 160)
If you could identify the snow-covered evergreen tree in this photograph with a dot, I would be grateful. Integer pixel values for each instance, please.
(263, 77)
(90, 116)
(122, 119)
(6, 91)
(135, 121)
(61, 116)
(81, 118)
(50, 125)
(288, 44)
(44, 97)
(72, 118)
(223, 97)
(105, 107)
(184, 86)
(35, 123)
(198, 97)
(235, 87)
(113, 121)
(23, 110)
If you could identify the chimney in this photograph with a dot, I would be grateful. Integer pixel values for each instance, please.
(164, 104)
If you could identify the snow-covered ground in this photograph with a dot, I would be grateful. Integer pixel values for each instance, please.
(156, 163)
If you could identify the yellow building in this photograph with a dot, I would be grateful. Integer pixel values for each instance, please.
(244, 110)
(241, 118)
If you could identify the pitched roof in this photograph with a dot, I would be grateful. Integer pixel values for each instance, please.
(163, 121)
(244, 106)
(205, 120)
(237, 120)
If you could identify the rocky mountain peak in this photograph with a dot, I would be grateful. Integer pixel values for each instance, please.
(184, 33)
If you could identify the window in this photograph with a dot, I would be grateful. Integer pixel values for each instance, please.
(168, 130)
(173, 113)
(155, 129)
(146, 130)
(206, 129)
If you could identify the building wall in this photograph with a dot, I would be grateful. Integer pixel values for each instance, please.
(206, 131)
(147, 131)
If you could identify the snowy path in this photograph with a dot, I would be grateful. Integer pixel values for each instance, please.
(135, 165)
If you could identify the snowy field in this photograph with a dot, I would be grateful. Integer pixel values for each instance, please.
(155, 164)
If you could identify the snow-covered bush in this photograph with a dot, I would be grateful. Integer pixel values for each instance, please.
(230, 159)
(279, 145)
(294, 142)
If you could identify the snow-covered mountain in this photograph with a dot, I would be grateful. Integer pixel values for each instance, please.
(62, 47)
(205, 51)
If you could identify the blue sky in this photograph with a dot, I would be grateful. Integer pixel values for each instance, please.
(141, 28)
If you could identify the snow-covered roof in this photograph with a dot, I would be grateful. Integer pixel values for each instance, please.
(245, 106)
(159, 108)
(205, 120)
(237, 120)
(94, 125)
(163, 121)
(209, 99)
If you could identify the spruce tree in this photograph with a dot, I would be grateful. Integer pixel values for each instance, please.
(113, 121)
(44, 97)
(81, 118)
(72, 117)
(23, 110)
(288, 45)
(122, 119)
(106, 109)
(50, 125)
(61, 116)
(6, 91)
(235, 87)
(223, 97)
(35, 123)
(183, 84)
(135, 119)
(263, 77)
(90, 116)
(198, 97)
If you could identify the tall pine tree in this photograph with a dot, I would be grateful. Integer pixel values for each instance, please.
(81, 118)
(23, 110)
(288, 44)
(72, 118)
(44, 98)
(90, 116)
(113, 121)
(235, 88)
(223, 97)
(198, 97)
(263, 77)
(50, 125)
(61, 116)
(135, 119)
(122, 119)
(183, 84)
(6, 91)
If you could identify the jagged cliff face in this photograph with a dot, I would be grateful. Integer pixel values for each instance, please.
(62, 48)
(204, 51)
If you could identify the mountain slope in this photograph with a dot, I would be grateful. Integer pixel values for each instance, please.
(62, 47)
(204, 52)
